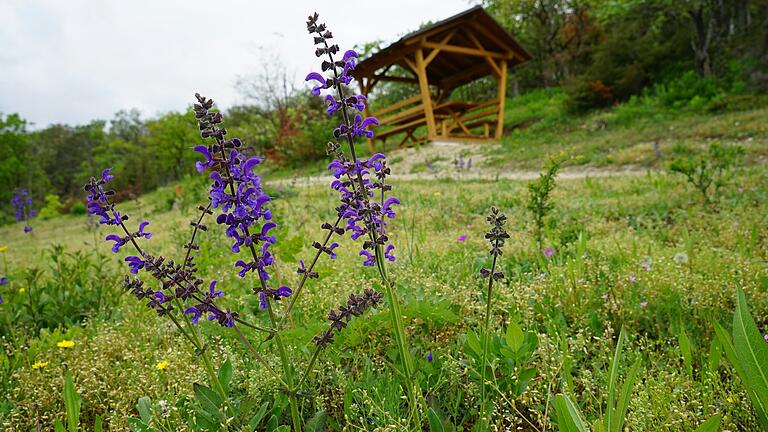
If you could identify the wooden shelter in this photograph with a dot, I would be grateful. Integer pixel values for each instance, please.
(438, 59)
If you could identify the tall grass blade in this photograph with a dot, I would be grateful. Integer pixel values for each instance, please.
(752, 352)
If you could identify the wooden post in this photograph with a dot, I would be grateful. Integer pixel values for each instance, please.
(426, 98)
(502, 97)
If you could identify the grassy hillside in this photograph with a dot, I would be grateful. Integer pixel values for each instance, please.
(639, 252)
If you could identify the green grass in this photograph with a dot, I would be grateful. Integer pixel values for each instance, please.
(536, 124)
(625, 222)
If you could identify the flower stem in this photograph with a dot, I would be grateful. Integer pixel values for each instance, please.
(483, 415)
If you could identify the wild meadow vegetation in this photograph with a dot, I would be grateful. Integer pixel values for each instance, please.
(190, 285)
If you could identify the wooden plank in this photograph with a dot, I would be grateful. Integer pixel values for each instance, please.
(398, 105)
(426, 97)
(412, 125)
(466, 50)
(418, 109)
(436, 51)
(449, 83)
(411, 65)
(396, 79)
(502, 98)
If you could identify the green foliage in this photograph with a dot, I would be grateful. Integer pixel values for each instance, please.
(72, 403)
(71, 290)
(539, 204)
(508, 365)
(710, 169)
(52, 207)
(748, 354)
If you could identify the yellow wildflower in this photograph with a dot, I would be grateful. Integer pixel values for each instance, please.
(21, 290)
(39, 365)
(437, 194)
(3, 248)
(162, 365)
(66, 344)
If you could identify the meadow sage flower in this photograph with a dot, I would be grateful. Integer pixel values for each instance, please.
(22, 205)
(3, 280)
(548, 252)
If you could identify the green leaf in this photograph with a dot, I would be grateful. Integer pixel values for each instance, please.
(283, 428)
(715, 352)
(623, 402)
(72, 403)
(225, 375)
(514, 336)
(256, 419)
(473, 342)
(316, 423)
(144, 406)
(569, 418)
(209, 401)
(685, 350)
(58, 427)
(609, 414)
(711, 425)
(752, 352)
(97, 427)
(435, 424)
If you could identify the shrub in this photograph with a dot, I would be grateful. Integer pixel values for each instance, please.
(52, 207)
(705, 170)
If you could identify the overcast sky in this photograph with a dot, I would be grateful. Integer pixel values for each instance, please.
(71, 61)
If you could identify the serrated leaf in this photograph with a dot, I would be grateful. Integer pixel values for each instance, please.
(514, 336)
(435, 424)
(711, 425)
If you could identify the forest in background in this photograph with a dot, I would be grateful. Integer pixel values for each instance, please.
(702, 55)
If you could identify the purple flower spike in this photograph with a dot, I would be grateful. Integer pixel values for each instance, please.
(284, 291)
(119, 241)
(370, 260)
(106, 176)
(135, 263)
(3, 281)
(212, 290)
(203, 150)
(141, 233)
(319, 78)
(429, 357)
(263, 304)
(195, 314)
(388, 253)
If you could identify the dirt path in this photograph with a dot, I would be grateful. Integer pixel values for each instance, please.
(460, 161)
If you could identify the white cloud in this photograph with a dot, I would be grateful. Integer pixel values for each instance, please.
(76, 60)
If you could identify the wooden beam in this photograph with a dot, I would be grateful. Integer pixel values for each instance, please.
(480, 29)
(411, 65)
(502, 98)
(466, 50)
(436, 51)
(404, 114)
(397, 105)
(426, 97)
(488, 59)
(396, 79)
(450, 82)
